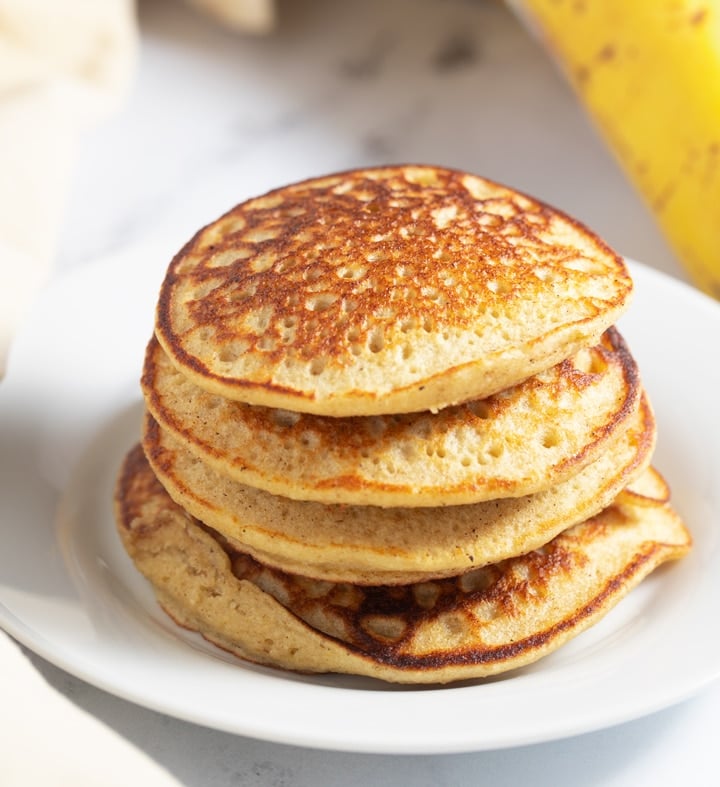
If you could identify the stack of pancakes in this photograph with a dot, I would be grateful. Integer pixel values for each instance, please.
(392, 431)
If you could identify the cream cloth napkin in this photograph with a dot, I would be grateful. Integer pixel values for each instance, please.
(64, 65)
(248, 16)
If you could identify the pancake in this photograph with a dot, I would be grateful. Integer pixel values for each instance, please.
(373, 545)
(518, 442)
(389, 290)
(494, 619)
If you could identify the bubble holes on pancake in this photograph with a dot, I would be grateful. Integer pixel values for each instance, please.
(330, 270)
(382, 619)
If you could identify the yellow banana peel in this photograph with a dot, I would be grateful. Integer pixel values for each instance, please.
(648, 71)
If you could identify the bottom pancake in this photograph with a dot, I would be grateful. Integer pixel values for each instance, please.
(491, 620)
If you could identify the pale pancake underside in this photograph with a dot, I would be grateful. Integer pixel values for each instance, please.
(369, 544)
(491, 620)
(520, 441)
(396, 289)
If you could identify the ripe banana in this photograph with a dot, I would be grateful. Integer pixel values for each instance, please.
(648, 71)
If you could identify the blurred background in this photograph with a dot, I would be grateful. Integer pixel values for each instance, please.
(120, 121)
(131, 124)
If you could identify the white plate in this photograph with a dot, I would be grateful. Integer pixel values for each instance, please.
(69, 409)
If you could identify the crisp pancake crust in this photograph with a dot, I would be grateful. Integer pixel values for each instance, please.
(492, 620)
(367, 544)
(396, 289)
(518, 442)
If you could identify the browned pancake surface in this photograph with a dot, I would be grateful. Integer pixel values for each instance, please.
(494, 619)
(369, 544)
(395, 289)
(523, 440)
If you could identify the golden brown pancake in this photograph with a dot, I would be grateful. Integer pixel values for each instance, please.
(389, 290)
(518, 442)
(372, 545)
(493, 619)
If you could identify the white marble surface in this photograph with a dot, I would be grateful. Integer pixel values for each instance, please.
(214, 118)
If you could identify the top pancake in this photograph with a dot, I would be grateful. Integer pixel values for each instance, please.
(388, 290)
